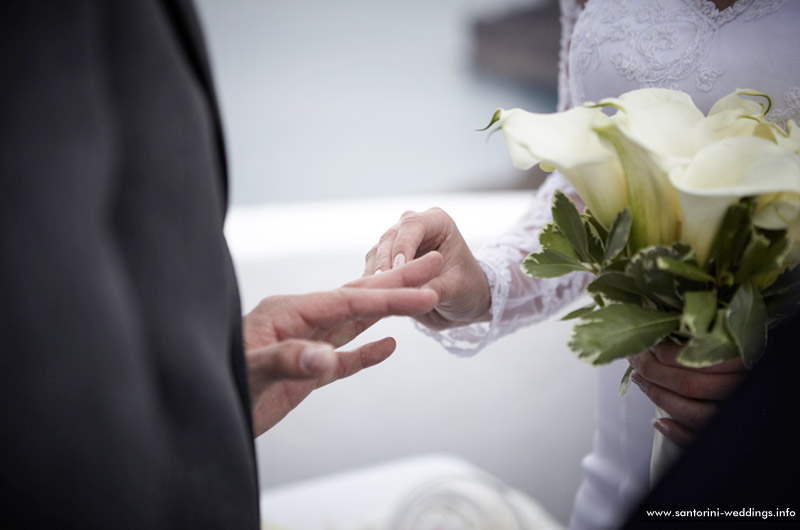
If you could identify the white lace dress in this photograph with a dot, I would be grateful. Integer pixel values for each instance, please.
(608, 48)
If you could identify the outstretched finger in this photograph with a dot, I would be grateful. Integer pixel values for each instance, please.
(365, 304)
(317, 314)
(352, 362)
(414, 274)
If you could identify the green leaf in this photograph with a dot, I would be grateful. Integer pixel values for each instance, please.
(772, 259)
(550, 264)
(569, 222)
(660, 286)
(747, 321)
(733, 236)
(599, 228)
(595, 242)
(619, 265)
(615, 286)
(683, 269)
(626, 381)
(551, 238)
(580, 312)
(620, 330)
(618, 235)
(710, 348)
(699, 310)
(764, 254)
(752, 257)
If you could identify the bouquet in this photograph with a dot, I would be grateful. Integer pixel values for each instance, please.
(691, 227)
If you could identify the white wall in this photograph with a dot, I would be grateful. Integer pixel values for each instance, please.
(521, 410)
(355, 98)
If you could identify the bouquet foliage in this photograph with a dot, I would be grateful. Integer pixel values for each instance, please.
(691, 224)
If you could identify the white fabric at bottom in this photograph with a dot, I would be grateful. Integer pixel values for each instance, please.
(617, 470)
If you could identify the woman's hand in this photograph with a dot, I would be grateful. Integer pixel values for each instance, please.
(461, 285)
(689, 395)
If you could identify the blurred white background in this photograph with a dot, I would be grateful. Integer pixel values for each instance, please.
(340, 115)
(356, 98)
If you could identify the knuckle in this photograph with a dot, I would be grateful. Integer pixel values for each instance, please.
(407, 214)
(438, 212)
(389, 235)
(411, 219)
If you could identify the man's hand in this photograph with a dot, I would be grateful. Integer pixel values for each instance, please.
(689, 395)
(290, 340)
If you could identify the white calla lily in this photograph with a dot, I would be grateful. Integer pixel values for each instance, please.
(677, 169)
(663, 121)
(790, 139)
(777, 211)
(566, 141)
(744, 106)
(653, 201)
(734, 115)
(721, 174)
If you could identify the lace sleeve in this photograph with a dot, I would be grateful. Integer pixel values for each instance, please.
(517, 299)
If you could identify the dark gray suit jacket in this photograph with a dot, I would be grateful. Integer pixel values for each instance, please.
(123, 394)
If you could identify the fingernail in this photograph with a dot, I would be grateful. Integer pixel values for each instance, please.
(660, 426)
(641, 383)
(315, 359)
(399, 260)
(378, 271)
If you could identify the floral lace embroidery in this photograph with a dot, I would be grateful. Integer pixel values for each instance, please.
(792, 111)
(658, 50)
(764, 7)
(717, 17)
